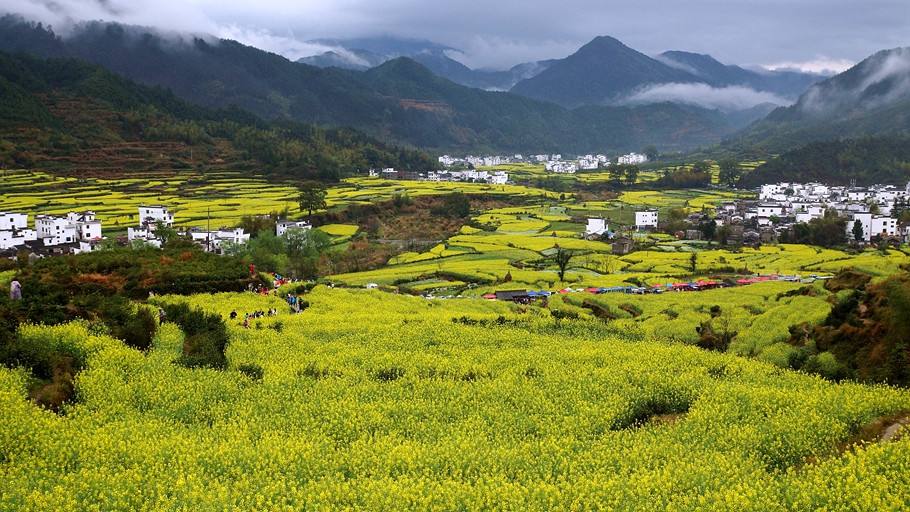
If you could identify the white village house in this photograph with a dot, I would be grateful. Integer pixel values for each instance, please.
(646, 219)
(596, 227)
(282, 227)
(75, 233)
(213, 241)
(14, 230)
(149, 218)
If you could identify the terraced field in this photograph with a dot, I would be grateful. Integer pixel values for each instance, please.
(224, 197)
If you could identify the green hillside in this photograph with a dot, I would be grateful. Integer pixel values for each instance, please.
(399, 102)
(66, 114)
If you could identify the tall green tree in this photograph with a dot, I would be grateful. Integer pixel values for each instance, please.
(709, 230)
(562, 259)
(312, 197)
(651, 152)
(858, 233)
(631, 173)
(730, 172)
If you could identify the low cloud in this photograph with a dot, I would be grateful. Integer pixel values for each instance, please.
(822, 66)
(289, 47)
(885, 79)
(703, 95)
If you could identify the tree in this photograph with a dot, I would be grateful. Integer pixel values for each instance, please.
(165, 233)
(709, 229)
(651, 152)
(616, 173)
(312, 197)
(730, 172)
(562, 259)
(858, 233)
(701, 167)
(631, 174)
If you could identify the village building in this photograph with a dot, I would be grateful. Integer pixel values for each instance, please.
(75, 233)
(632, 159)
(214, 241)
(622, 246)
(645, 219)
(596, 228)
(282, 227)
(149, 219)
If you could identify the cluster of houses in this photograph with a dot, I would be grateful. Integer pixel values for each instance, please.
(552, 162)
(780, 206)
(465, 176)
(479, 161)
(80, 232)
(72, 234)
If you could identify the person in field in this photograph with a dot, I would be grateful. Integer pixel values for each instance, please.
(161, 316)
(15, 290)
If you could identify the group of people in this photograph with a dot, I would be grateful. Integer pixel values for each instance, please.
(280, 280)
(258, 288)
(295, 303)
(254, 315)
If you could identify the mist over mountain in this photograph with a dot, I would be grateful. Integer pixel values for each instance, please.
(364, 53)
(605, 71)
(600, 72)
(400, 101)
(871, 98)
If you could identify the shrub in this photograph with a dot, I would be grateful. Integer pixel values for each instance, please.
(206, 336)
(826, 365)
(389, 374)
(253, 371)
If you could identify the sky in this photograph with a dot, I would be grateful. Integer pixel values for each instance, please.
(813, 35)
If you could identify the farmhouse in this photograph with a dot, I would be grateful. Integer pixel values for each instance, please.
(646, 219)
(632, 159)
(14, 230)
(213, 241)
(149, 216)
(149, 219)
(75, 233)
(282, 227)
(596, 227)
(622, 246)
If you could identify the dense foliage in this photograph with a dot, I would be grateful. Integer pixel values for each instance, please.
(62, 113)
(866, 331)
(400, 101)
(866, 161)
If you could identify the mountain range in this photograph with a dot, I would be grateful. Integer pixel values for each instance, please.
(602, 72)
(604, 97)
(361, 54)
(605, 72)
(398, 102)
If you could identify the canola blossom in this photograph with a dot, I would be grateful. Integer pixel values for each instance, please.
(370, 400)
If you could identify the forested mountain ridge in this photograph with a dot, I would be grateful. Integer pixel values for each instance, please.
(865, 161)
(413, 108)
(69, 115)
(870, 99)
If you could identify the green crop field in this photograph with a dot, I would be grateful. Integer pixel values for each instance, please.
(372, 401)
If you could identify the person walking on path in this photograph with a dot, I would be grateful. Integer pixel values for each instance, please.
(161, 316)
(15, 290)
